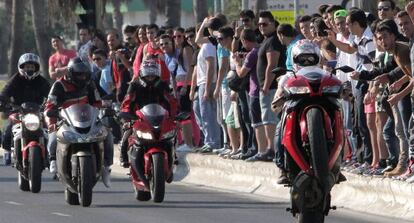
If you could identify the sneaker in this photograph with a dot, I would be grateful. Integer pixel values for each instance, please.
(248, 154)
(218, 151)
(206, 149)
(106, 176)
(199, 149)
(7, 158)
(52, 167)
(259, 157)
(361, 169)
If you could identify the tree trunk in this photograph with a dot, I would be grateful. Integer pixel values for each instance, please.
(16, 46)
(200, 10)
(40, 23)
(5, 37)
(260, 5)
(369, 6)
(116, 15)
(173, 13)
(153, 11)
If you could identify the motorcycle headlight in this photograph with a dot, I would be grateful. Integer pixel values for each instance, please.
(31, 122)
(297, 90)
(168, 135)
(331, 89)
(144, 135)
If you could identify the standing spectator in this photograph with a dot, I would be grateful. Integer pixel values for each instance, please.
(410, 11)
(288, 37)
(105, 79)
(85, 43)
(143, 40)
(364, 45)
(330, 11)
(99, 41)
(386, 9)
(206, 82)
(128, 33)
(304, 25)
(248, 67)
(271, 54)
(60, 59)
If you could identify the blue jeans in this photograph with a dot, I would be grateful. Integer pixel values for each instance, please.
(7, 135)
(348, 127)
(391, 140)
(362, 123)
(208, 112)
(245, 121)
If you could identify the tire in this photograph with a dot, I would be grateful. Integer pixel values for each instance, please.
(71, 198)
(35, 169)
(22, 182)
(142, 195)
(157, 181)
(85, 180)
(318, 145)
(311, 217)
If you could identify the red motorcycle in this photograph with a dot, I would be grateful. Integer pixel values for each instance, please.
(313, 137)
(151, 151)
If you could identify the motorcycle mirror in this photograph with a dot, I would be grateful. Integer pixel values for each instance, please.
(345, 69)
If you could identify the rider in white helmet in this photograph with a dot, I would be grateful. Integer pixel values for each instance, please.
(27, 85)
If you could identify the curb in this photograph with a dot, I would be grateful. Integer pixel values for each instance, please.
(379, 196)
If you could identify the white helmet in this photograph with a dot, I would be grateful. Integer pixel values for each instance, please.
(305, 53)
(29, 58)
(150, 68)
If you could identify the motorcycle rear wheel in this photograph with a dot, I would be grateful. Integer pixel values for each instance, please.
(35, 169)
(85, 180)
(157, 182)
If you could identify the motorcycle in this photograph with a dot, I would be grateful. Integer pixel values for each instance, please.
(79, 154)
(151, 151)
(112, 121)
(313, 137)
(29, 138)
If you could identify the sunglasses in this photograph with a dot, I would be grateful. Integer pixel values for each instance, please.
(263, 24)
(97, 59)
(190, 36)
(165, 44)
(386, 8)
(177, 36)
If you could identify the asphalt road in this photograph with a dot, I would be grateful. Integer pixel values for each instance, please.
(183, 203)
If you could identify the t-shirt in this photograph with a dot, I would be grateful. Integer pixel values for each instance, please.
(207, 50)
(222, 53)
(250, 62)
(366, 50)
(106, 81)
(61, 59)
(271, 43)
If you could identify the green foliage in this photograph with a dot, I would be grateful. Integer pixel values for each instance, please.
(232, 9)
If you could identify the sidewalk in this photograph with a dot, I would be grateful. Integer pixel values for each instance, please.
(377, 196)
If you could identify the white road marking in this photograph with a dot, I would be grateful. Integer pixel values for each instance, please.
(13, 203)
(61, 214)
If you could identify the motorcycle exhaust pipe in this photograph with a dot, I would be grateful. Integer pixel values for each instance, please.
(138, 165)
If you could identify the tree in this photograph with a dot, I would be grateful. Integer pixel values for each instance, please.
(5, 35)
(117, 15)
(260, 5)
(40, 26)
(173, 13)
(16, 46)
(369, 6)
(200, 10)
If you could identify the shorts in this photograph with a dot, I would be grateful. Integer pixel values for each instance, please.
(268, 116)
(255, 111)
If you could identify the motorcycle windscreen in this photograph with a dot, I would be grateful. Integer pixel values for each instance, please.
(154, 113)
(80, 115)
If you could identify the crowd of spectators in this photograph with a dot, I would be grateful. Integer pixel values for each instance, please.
(236, 121)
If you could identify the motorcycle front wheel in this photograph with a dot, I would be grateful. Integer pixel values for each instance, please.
(157, 183)
(35, 169)
(85, 180)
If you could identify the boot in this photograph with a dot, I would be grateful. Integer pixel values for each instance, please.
(400, 169)
(283, 179)
(106, 176)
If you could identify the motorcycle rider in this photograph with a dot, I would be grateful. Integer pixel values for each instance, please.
(306, 60)
(27, 85)
(147, 89)
(75, 87)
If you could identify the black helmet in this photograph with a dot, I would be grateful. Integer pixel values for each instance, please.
(79, 72)
(150, 68)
